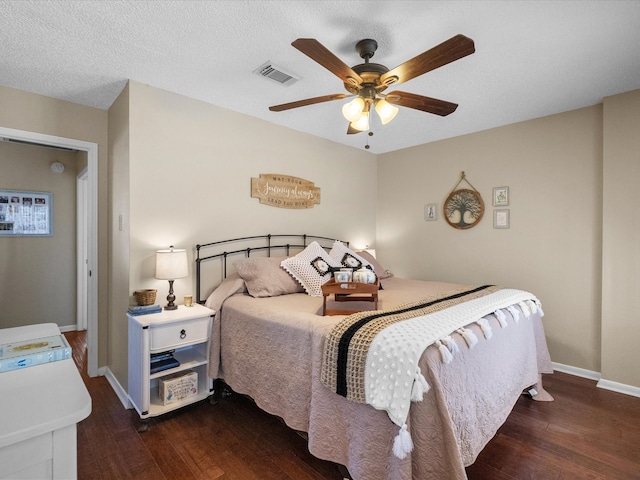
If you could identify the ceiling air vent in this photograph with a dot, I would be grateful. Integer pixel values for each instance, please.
(276, 73)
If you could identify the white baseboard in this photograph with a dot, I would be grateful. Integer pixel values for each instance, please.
(578, 372)
(604, 384)
(120, 392)
(619, 387)
(67, 328)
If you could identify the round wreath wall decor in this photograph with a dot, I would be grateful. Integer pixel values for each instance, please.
(463, 208)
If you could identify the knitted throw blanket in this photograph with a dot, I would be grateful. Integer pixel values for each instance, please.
(372, 356)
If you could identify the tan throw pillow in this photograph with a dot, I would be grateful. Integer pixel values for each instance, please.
(381, 272)
(264, 277)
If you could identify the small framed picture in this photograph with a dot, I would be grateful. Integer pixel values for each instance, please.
(430, 212)
(500, 196)
(501, 218)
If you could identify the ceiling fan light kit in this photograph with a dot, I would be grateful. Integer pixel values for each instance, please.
(368, 80)
(356, 109)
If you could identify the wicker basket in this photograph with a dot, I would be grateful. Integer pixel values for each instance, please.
(145, 297)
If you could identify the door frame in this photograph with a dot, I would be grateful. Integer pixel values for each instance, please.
(92, 226)
(82, 266)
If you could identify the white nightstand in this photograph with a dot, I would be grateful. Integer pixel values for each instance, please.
(184, 331)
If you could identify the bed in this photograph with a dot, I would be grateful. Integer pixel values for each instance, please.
(270, 341)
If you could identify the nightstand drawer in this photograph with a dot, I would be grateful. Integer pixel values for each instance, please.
(183, 333)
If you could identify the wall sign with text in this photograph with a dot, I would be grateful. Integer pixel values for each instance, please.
(284, 191)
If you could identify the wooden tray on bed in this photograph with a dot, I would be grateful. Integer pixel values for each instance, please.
(349, 292)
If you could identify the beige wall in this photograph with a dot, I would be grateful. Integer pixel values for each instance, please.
(180, 174)
(38, 273)
(552, 167)
(119, 135)
(190, 168)
(621, 240)
(35, 113)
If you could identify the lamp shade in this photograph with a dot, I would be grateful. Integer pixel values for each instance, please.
(352, 111)
(171, 264)
(363, 122)
(386, 111)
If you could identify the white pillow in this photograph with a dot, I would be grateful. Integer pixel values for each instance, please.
(347, 257)
(311, 267)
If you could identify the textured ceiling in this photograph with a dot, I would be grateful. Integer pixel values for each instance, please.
(532, 59)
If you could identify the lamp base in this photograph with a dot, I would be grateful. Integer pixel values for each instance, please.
(171, 298)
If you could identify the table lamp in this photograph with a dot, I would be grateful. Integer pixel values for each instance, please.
(170, 265)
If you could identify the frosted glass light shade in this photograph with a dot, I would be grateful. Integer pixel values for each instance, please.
(386, 111)
(171, 264)
(352, 111)
(363, 122)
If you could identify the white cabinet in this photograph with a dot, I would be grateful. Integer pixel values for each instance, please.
(185, 333)
(40, 407)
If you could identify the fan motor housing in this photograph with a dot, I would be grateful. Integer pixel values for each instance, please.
(366, 48)
(370, 74)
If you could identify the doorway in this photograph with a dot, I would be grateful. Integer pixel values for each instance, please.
(90, 228)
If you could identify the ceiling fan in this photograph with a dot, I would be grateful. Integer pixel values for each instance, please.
(367, 81)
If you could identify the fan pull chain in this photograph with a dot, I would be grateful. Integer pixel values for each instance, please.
(370, 134)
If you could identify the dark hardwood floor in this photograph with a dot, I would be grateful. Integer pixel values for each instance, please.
(586, 433)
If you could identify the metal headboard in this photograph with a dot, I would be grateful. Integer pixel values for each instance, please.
(258, 243)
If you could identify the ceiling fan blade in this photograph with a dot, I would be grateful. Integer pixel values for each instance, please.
(319, 53)
(308, 101)
(448, 51)
(419, 102)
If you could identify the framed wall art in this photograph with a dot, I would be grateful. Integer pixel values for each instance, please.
(24, 213)
(431, 212)
(501, 218)
(463, 208)
(500, 196)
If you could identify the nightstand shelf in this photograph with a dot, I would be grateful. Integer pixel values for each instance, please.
(184, 331)
(189, 358)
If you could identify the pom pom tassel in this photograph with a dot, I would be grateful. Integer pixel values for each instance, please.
(502, 318)
(419, 388)
(485, 327)
(451, 344)
(402, 444)
(514, 312)
(525, 309)
(468, 336)
(533, 308)
(444, 353)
